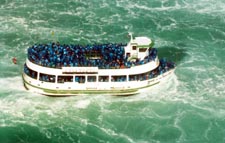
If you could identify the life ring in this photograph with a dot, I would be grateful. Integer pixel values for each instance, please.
(14, 60)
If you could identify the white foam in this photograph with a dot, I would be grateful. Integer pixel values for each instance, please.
(38, 21)
(82, 104)
(67, 13)
(178, 118)
(18, 20)
(111, 132)
(12, 84)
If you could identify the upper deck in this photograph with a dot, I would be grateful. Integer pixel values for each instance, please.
(103, 56)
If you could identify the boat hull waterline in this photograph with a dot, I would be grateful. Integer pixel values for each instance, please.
(88, 91)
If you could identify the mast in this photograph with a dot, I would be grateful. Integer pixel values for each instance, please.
(131, 36)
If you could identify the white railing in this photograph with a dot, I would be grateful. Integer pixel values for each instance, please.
(137, 69)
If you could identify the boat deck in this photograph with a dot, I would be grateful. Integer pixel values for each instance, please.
(103, 56)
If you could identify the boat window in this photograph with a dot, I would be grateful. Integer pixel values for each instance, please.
(142, 49)
(80, 79)
(103, 78)
(128, 55)
(91, 78)
(46, 77)
(29, 72)
(135, 77)
(121, 78)
(141, 77)
(62, 79)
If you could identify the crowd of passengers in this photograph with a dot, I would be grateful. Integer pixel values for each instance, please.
(110, 56)
(162, 68)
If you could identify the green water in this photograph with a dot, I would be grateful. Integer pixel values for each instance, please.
(190, 108)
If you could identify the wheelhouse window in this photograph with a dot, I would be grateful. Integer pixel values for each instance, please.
(47, 78)
(62, 79)
(29, 72)
(80, 79)
(134, 47)
(142, 49)
(103, 78)
(121, 78)
(91, 78)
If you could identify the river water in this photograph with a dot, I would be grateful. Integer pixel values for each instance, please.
(189, 108)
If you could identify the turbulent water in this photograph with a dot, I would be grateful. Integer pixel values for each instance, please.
(189, 108)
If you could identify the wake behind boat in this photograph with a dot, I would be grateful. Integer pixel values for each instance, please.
(113, 68)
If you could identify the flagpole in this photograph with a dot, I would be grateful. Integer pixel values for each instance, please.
(131, 36)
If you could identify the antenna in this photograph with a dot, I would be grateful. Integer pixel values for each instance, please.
(131, 36)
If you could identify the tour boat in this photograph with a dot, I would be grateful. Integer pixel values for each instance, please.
(56, 69)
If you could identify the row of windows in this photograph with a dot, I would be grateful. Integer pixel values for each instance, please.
(91, 78)
(82, 79)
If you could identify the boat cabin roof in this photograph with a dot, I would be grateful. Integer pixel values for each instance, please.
(142, 41)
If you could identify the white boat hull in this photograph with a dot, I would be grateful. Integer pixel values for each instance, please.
(110, 88)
